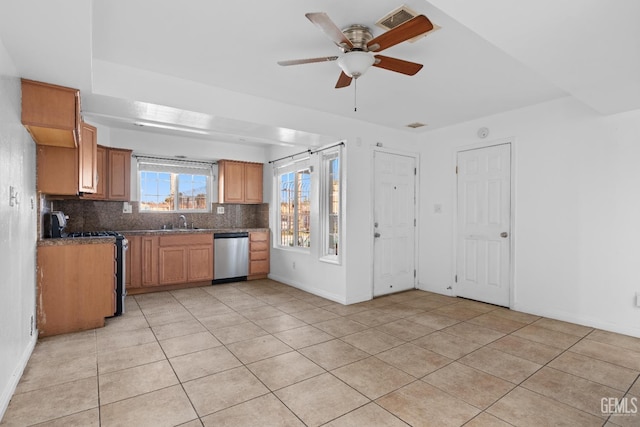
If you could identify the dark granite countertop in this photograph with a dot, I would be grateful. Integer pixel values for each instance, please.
(76, 241)
(188, 231)
(98, 240)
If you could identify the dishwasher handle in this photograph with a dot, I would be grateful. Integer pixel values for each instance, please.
(233, 235)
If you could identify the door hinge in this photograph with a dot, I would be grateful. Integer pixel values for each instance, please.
(415, 171)
(414, 222)
(456, 278)
(414, 273)
(456, 170)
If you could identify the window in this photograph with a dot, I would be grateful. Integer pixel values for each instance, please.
(294, 200)
(168, 185)
(330, 193)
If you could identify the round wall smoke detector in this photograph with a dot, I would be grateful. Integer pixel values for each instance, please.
(483, 132)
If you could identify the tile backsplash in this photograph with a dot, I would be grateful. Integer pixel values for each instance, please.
(88, 215)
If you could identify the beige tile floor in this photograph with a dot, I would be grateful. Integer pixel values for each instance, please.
(265, 354)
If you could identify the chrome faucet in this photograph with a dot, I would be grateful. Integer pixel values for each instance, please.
(183, 224)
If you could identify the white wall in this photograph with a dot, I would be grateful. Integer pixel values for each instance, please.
(18, 237)
(577, 210)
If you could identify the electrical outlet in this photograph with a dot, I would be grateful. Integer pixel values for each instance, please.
(220, 210)
(126, 207)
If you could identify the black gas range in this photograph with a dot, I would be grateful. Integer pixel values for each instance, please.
(122, 245)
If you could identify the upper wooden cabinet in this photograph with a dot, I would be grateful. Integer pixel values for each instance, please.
(51, 113)
(114, 174)
(119, 175)
(239, 182)
(68, 171)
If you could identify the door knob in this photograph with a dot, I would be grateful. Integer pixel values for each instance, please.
(504, 234)
(376, 234)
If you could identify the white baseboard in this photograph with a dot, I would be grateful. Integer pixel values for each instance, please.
(315, 291)
(631, 330)
(10, 387)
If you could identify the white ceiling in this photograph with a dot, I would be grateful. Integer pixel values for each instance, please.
(488, 57)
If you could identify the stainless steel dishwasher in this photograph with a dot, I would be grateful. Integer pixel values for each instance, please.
(230, 257)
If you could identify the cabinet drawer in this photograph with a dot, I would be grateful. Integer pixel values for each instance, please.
(258, 236)
(186, 239)
(257, 256)
(259, 267)
(258, 246)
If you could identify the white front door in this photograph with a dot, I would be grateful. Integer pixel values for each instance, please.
(394, 223)
(483, 243)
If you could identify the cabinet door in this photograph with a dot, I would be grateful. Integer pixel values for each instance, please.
(253, 183)
(149, 261)
(51, 113)
(71, 297)
(87, 158)
(231, 179)
(133, 269)
(101, 176)
(57, 170)
(200, 263)
(172, 264)
(119, 174)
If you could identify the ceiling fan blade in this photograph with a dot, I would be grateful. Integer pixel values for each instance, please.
(343, 81)
(307, 61)
(397, 65)
(327, 26)
(408, 30)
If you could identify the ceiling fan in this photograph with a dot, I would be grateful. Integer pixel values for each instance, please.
(359, 47)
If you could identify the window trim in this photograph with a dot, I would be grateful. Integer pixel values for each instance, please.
(295, 167)
(325, 187)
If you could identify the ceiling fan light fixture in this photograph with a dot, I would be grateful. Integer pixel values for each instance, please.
(355, 63)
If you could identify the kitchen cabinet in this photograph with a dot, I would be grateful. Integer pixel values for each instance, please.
(68, 171)
(113, 174)
(239, 182)
(119, 174)
(158, 261)
(51, 113)
(185, 258)
(258, 255)
(76, 287)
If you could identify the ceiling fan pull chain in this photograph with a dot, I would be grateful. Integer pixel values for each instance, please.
(355, 95)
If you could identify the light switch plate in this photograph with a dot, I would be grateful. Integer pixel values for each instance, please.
(220, 209)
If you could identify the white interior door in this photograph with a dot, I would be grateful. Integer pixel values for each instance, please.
(483, 224)
(394, 223)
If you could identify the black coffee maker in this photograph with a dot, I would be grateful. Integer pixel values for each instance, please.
(54, 224)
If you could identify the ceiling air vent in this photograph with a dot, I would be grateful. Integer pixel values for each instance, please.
(416, 125)
(399, 16)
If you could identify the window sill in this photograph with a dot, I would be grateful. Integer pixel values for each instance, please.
(331, 259)
(294, 249)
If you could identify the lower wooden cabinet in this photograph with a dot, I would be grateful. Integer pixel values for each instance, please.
(258, 254)
(76, 287)
(171, 259)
